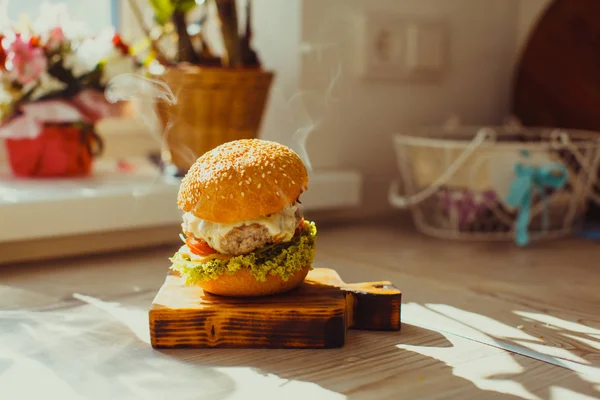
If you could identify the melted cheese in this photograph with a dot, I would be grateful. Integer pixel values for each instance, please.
(281, 225)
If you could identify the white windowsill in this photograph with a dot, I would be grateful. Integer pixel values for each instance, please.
(113, 201)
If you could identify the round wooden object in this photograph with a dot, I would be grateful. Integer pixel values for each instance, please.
(557, 81)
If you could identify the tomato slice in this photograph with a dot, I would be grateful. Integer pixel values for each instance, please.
(199, 247)
(300, 227)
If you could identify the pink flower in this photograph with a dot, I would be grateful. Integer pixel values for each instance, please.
(28, 62)
(94, 106)
(56, 36)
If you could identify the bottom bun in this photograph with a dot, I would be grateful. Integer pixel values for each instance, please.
(244, 284)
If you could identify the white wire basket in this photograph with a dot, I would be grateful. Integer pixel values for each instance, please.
(461, 183)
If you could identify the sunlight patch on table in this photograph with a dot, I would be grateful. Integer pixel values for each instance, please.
(514, 339)
(558, 322)
(249, 381)
(464, 357)
(553, 351)
(483, 323)
(595, 344)
(76, 350)
(557, 392)
(419, 315)
(136, 320)
(25, 378)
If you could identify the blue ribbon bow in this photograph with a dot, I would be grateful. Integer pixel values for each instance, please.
(527, 179)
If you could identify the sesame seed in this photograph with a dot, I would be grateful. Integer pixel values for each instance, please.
(269, 172)
(243, 194)
(263, 175)
(231, 196)
(284, 174)
(230, 176)
(294, 182)
(276, 181)
(259, 185)
(249, 180)
(277, 193)
(223, 197)
(208, 197)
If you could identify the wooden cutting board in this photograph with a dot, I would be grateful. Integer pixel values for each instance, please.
(315, 315)
(557, 80)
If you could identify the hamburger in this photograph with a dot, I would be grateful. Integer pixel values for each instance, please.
(243, 229)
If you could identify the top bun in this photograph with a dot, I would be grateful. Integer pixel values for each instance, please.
(242, 180)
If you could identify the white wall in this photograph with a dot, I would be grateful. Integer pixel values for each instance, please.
(529, 13)
(78, 10)
(364, 115)
(277, 29)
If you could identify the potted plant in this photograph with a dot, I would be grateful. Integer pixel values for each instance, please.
(218, 98)
(52, 78)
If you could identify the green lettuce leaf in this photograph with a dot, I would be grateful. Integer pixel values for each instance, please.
(281, 259)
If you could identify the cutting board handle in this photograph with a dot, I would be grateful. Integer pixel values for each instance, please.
(373, 306)
(369, 305)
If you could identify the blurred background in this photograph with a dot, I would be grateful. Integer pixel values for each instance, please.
(348, 84)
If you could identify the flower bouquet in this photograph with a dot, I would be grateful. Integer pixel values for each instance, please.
(52, 79)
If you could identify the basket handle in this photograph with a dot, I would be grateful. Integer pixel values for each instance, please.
(559, 140)
(484, 135)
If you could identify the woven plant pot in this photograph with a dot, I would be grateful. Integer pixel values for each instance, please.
(214, 106)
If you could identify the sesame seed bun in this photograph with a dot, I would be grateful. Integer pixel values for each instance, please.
(243, 284)
(242, 180)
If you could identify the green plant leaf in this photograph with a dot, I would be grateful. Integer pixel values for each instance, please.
(163, 9)
(184, 5)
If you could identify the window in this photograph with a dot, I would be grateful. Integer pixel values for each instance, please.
(96, 13)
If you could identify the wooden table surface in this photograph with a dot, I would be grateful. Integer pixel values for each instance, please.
(480, 321)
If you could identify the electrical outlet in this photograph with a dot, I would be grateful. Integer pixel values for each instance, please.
(382, 47)
(425, 44)
(403, 48)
